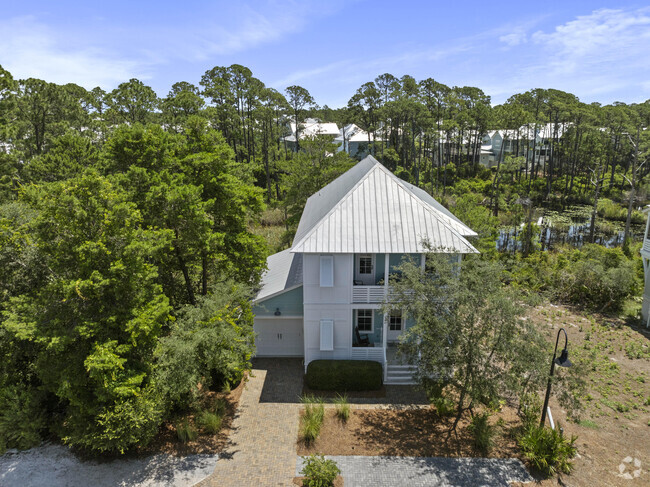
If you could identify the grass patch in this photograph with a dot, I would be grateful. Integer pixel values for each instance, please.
(185, 431)
(588, 423)
(312, 419)
(209, 422)
(342, 408)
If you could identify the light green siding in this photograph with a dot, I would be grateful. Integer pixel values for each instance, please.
(289, 303)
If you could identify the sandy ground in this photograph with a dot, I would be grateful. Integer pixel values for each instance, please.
(53, 465)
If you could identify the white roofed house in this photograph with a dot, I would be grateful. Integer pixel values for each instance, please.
(322, 298)
(355, 141)
(311, 128)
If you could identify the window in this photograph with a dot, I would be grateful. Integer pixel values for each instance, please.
(364, 320)
(395, 321)
(326, 271)
(327, 335)
(365, 264)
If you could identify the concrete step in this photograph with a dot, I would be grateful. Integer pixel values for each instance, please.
(400, 375)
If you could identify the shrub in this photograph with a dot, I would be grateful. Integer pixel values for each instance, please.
(444, 406)
(21, 418)
(344, 375)
(312, 419)
(185, 431)
(220, 407)
(547, 449)
(319, 472)
(209, 422)
(342, 408)
(482, 432)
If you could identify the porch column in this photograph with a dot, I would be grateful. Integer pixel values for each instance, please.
(384, 330)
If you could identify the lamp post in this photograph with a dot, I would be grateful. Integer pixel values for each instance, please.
(563, 361)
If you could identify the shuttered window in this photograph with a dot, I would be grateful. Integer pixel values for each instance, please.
(327, 335)
(326, 271)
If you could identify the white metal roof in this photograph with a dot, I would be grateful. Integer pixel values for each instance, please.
(284, 272)
(369, 209)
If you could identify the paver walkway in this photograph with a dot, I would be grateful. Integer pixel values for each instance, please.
(262, 449)
(359, 471)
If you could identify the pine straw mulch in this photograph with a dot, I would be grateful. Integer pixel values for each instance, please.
(417, 432)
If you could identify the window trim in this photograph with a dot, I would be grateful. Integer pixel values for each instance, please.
(372, 264)
(372, 320)
(401, 320)
(330, 274)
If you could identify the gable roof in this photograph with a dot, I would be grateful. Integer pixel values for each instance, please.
(369, 209)
(284, 272)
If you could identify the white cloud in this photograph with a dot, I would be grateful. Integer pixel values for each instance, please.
(28, 48)
(514, 38)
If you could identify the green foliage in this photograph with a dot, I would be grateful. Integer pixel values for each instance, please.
(342, 407)
(344, 375)
(548, 450)
(637, 349)
(482, 432)
(209, 422)
(319, 472)
(445, 407)
(22, 419)
(185, 431)
(468, 331)
(312, 418)
(593, 276)
(209, 344)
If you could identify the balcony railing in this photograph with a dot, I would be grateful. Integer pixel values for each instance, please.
(646, 245)
(368, 353)
(368, 294)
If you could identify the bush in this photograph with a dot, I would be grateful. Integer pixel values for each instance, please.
(209, 422)
(21, 418)
(547, 449)
(482, 432)
(319, 472)
(312, 419)
(344, 375)
(444, 406)
(342, 408)
(185, 431)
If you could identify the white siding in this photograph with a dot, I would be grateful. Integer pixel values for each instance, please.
(340, 293)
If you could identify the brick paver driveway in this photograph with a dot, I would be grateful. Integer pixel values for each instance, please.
(262, 447)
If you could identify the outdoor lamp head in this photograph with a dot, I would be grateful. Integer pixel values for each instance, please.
(564, 361)
(277, 312)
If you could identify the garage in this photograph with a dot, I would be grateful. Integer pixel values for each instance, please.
(279, 337)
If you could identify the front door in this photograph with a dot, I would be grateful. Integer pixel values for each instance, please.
(395, 326)
(364, 271)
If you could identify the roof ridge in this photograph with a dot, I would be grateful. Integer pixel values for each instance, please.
(432, 211)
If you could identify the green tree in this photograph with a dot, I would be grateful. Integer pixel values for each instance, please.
(468, 332)
(131, 102)
(95, 318)
(299, 100)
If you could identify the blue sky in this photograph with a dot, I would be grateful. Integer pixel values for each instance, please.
(599, 51)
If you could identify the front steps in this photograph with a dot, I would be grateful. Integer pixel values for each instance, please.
(400, 375)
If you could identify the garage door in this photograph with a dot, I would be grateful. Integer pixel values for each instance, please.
(279, 337)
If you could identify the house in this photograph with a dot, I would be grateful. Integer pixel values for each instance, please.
(531, 141)
(321, 299)
(645, 256)
(311, 128)
(355, 141)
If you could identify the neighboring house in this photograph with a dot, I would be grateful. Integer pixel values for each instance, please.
(355, 141)
(311, 128)
(321, 299)
(530, 141)
(645, 256)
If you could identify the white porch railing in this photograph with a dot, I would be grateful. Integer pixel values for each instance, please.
(368, 294)
(368, 353)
